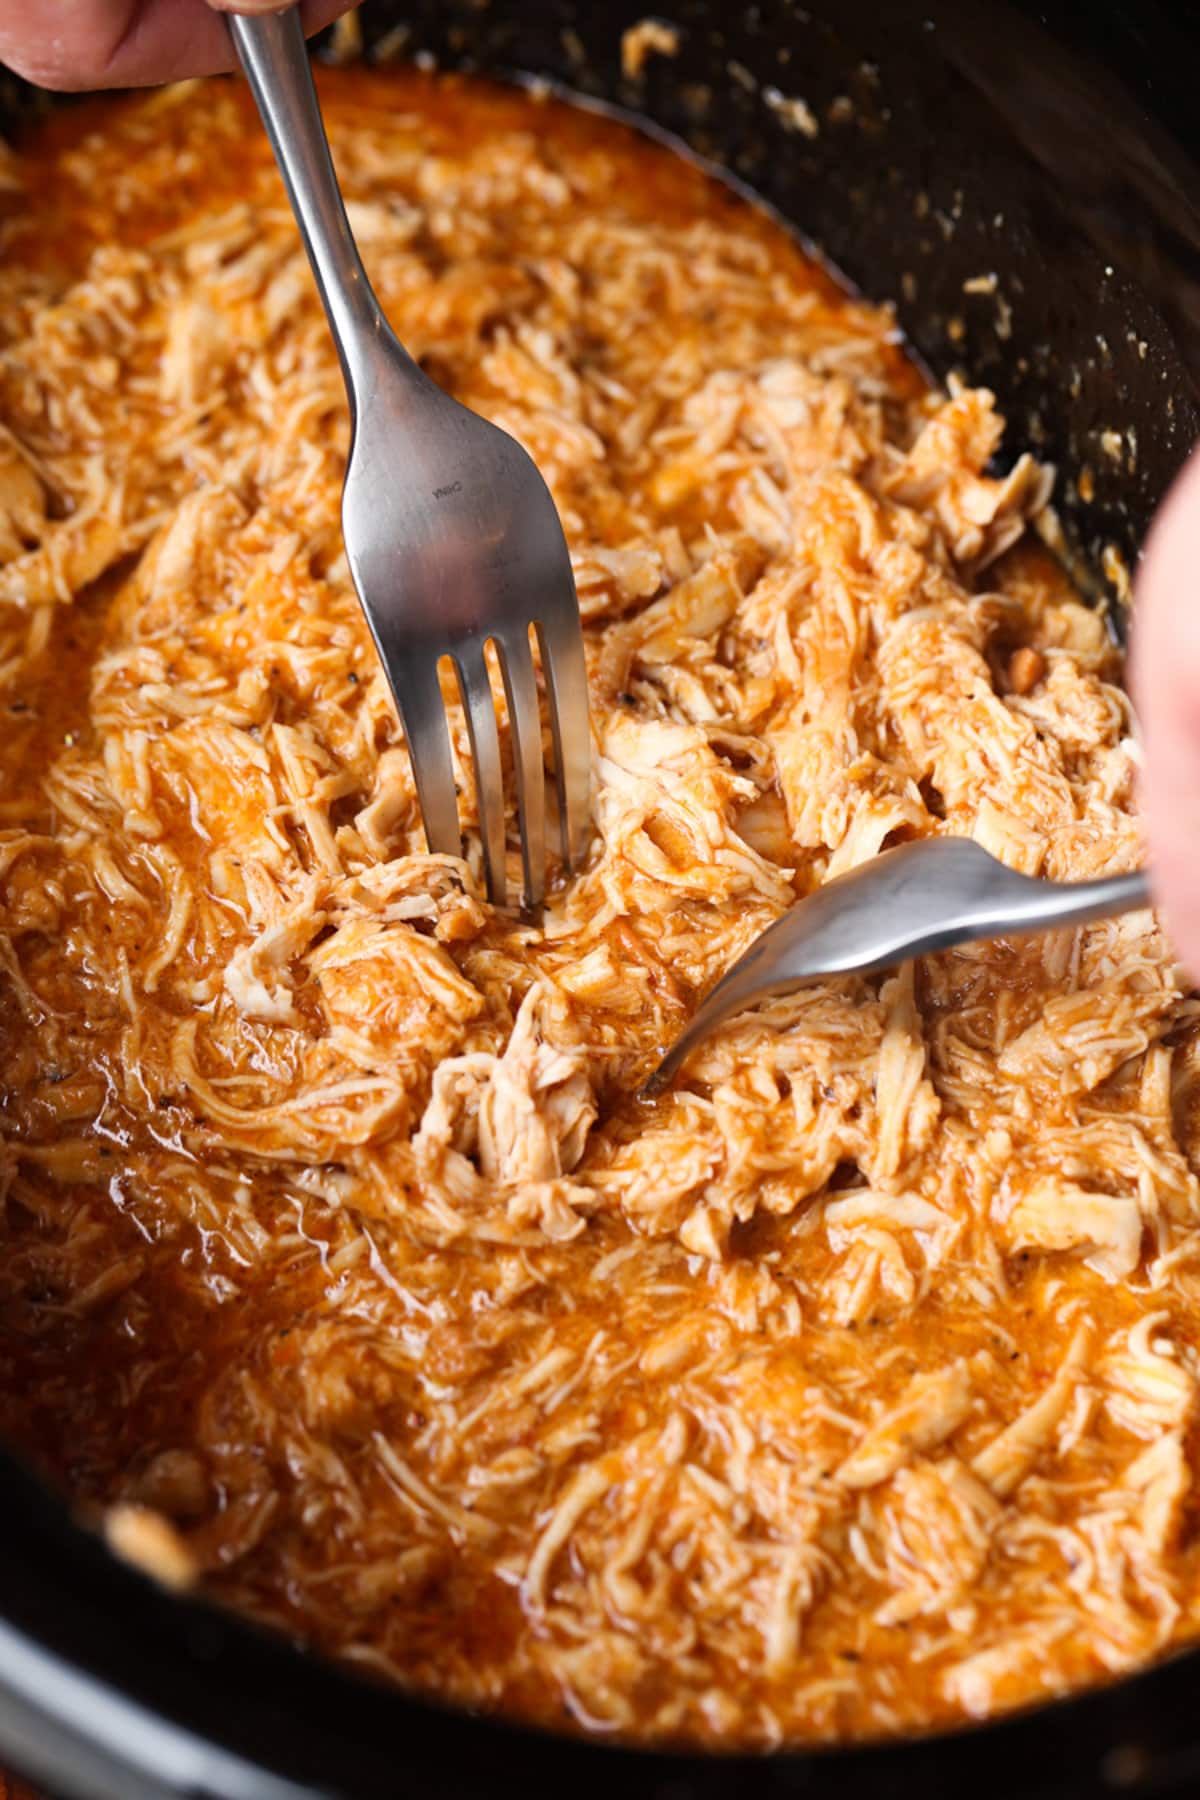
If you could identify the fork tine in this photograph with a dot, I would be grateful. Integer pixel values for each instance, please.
(480, 707)
(520, 685)
(419, 701)
(567, 692)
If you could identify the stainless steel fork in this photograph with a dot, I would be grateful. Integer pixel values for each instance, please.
(451, 534)
(910, 901)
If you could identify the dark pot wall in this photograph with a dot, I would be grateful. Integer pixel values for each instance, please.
(954, 143)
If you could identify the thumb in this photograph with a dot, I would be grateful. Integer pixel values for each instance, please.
(315, 13)
(252, 6)
(1166, 686)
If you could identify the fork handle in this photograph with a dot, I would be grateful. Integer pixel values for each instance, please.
(1051, 904)
(273, 54)
(996, 902)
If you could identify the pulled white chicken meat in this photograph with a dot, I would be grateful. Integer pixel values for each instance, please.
(848, 1388)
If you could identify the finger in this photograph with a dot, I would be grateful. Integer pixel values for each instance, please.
(1165, 672)
(71, 45)
(247, 7)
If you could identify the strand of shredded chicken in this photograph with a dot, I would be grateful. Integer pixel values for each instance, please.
(850, 1387)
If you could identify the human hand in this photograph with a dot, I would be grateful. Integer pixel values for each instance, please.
(1166, 686)
(74, 44)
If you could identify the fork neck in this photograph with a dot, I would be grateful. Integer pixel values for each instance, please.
(273, 54)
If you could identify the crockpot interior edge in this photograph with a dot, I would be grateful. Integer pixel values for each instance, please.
(954, 142)
(1028, 219)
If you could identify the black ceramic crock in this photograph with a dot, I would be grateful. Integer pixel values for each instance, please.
(1019, 179)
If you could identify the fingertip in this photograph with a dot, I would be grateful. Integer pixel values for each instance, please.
(1165, 680)
(142, 45)
(1165, 637)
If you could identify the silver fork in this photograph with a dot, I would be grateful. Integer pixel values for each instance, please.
(907, 902)
(451, 534)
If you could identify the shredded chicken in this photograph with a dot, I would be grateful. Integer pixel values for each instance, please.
(848, 1388)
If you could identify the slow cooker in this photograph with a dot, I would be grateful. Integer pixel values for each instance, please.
(1021, 182)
